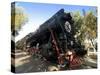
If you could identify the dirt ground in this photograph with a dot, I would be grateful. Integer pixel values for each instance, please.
(25, 63)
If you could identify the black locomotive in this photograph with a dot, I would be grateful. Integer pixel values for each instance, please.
(56, 37)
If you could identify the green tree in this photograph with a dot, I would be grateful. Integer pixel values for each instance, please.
(90, 27)
(90, 22)
(85, 27)
(78, 22)
(18, 18)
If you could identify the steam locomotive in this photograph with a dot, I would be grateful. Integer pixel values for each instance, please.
(55, 37)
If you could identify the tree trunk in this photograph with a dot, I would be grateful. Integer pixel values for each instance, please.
(93, 45)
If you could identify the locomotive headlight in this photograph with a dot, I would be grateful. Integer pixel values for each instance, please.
(67, 26)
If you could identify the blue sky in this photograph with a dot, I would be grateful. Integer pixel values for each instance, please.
(38, 13)
(43, 10)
